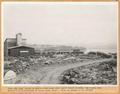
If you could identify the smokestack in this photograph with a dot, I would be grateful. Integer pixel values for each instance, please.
(19, 39)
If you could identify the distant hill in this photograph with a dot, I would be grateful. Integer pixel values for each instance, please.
(55, 47)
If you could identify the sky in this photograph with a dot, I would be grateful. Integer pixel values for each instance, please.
(74, 24)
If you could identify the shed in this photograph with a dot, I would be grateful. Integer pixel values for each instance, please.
(20, 51)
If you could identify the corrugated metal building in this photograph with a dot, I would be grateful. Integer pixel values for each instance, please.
(20, 51)
(17, 47)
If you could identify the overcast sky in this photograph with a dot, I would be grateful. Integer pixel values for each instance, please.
(77, 24)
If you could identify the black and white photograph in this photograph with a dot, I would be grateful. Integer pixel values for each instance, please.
(60, 43)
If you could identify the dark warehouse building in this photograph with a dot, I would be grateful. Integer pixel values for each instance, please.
(20, 51)
(17, 47)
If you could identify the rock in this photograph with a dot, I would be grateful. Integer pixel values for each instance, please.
(10, 77)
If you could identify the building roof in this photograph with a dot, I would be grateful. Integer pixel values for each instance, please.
(19, 46)
(10, 39)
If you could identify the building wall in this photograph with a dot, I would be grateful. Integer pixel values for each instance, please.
(5, 49)
(17, 51)
(10, 42)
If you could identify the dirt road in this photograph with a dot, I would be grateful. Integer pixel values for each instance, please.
(52, 75)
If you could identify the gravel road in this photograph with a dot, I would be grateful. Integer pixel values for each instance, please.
(52, 75)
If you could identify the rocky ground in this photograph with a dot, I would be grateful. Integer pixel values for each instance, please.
(96, 73)
(83, 69)
(50, 74)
